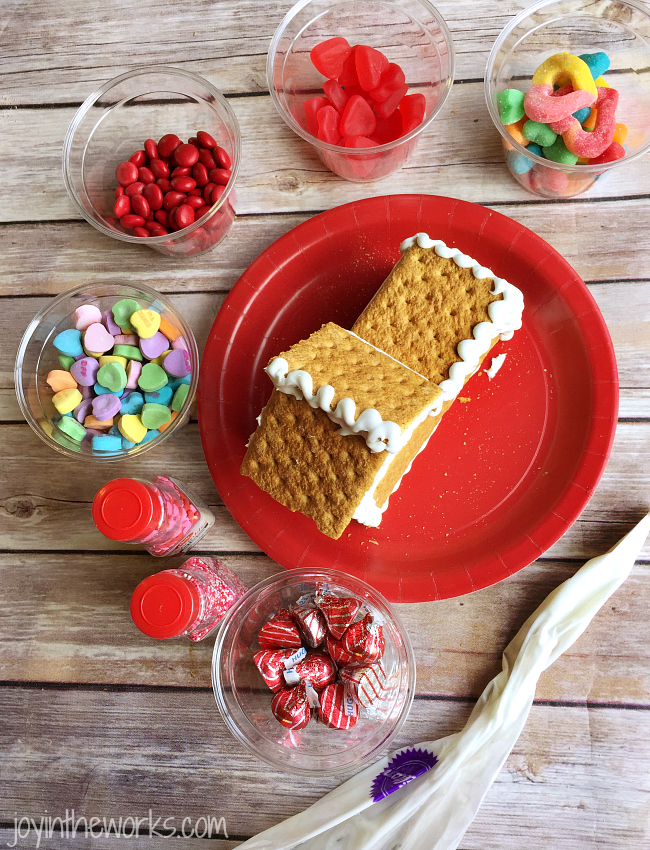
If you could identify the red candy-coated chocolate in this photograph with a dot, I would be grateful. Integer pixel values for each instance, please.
(194, 201)
(205, 140)
(329, 56)
(311, 624)
(146, 175)
(279, 632)
(172, 199)
(206, 158)
(183, 184)
(140, 206)
(164, 184)
(151, 149)
(216, 193)
(186, 155)
(200, 175)
(222, 158)
(132, 220)
(159, 168)
(136, 188)
(291, 708)
(138, 158)
(220, 176)
(126, 173)
(184, 216)
(168, 144)
(337, 707)
(162, 217)
(312, 105)
(365, 640)
(358, 119)
(339, 612)
(271, 664)
(370, 64)
(154, 195)
(122, 206)
(142, 232)
(317, 668)
(328, 125)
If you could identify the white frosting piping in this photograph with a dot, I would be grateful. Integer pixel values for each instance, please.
(505, 315)
(495, 365)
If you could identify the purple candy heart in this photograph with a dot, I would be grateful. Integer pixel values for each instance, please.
(84, 371)
(109, 323)
(177, 363)
(106, 406)
(82, 410)
(92, 432)
(154, 346)
(86, 392)
(98, 339)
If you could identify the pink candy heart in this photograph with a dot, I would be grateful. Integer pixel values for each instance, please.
(98, 339)
(86, 315)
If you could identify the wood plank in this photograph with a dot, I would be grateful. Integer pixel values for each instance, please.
(83, 632)
(64, 254)
(281, 173)
(575, 772)
(225, 41)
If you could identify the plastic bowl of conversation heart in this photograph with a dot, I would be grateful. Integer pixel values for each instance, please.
(245, 699)
(415, 47)
(38, 357)
(112, 125)
(620, 31)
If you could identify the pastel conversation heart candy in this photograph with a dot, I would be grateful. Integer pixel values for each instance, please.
(122, 311)
(85, 315)
(66, 400)
(179, 397)
(84, 371)
(152, 378)
(57, 379)
(106, 443)
(133, 403)
(154, 346)
(82, 410)
(279, 632)
(132, 428)
(131, 352)
(113, 376)
(163, 396)
(133, 372)
(145, 323)
(97, 339)
(155, 415)
(72, 428)
(69, 342)
(106, 406)
(177, 363)
(109, 323)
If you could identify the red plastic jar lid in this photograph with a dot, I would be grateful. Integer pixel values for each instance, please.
(164, 605)
(124, 509)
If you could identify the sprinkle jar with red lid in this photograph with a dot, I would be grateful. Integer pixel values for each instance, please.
(164, 516)
(186, 602)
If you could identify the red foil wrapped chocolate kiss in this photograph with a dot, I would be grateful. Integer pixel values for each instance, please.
(317, 667)
(338, 612)
(337, 708)
(311, 624)
(337, 652)
(272, 663)
(366, 684)
(279, 632)
(365, 640)
(291, 707)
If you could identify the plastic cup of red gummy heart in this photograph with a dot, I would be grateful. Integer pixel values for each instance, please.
(411, 34)
(115, 121)
(245, 700)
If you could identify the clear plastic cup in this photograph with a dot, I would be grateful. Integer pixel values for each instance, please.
(411, 33)
(37, 356)
(622, 30)
(245, 700)
(115, 121)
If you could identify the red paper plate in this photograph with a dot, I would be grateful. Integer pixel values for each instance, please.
(504, 476)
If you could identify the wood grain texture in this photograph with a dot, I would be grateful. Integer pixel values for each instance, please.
(575, 771)
(456, 655)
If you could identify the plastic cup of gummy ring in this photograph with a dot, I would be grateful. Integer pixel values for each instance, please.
(622, 31)
(244, 698)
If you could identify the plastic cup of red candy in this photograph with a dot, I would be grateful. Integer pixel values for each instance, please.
(314, 672)
(567, 86)
(360, 81)
(125, 397)
(151, 158)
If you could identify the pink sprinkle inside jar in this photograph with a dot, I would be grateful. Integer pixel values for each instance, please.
(164, 516)
(187, 602)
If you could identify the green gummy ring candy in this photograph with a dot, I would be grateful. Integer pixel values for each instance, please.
(179, 397)
(152, 378)
(122, 311)
(112, 376)
(128, 351)
(72, 428)
(155, 415)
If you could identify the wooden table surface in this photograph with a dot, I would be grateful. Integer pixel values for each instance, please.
(98, 718)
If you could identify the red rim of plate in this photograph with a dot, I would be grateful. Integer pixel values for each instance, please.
(228, 359)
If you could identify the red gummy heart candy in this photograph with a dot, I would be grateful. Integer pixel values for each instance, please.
(279, 632)
(311, 111)
(370, 65)
(311, 623)
(337, 708)
(391, 80)
(271, 664)
(336, 94)
(328, 125)
(362, 166)
(412, 108)
(388, 129)
(348, 76)
(360, 142)
(358, 119)
(338, 612)
(329, 56)
(291, 707)
(365, 640)
(386, 108)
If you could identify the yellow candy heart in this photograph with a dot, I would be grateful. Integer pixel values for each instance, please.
(145, 322)
(112, 358)
(131, 428)
(65, 401)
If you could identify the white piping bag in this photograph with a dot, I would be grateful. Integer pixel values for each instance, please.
(425, 797)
